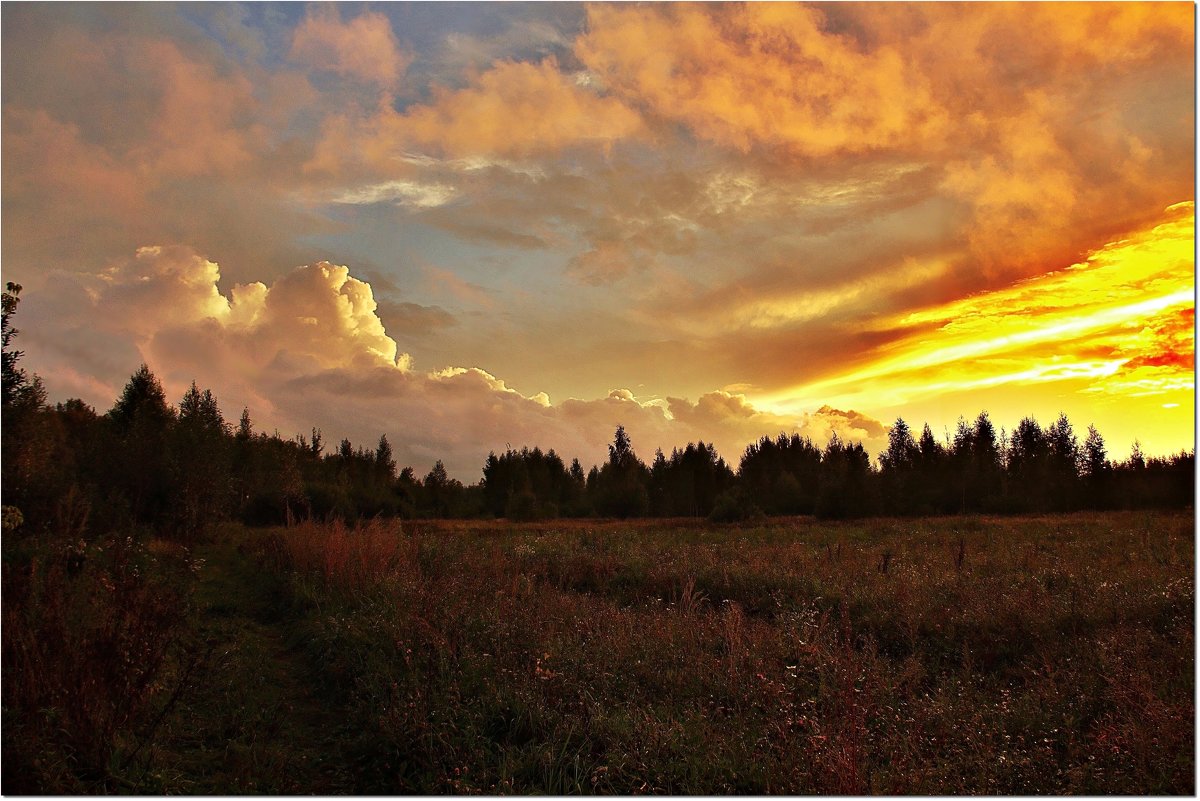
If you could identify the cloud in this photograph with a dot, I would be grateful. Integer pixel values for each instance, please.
(1100, 320)
(413, 319)
(989, 94)
(471, 228)
(524, 39)
(56, 181)
(760, 75)
(849, 426)
(604, 263)
(363, 48)
(1027, 182)
(669, 198)
(1172, 342)
(165, 302)
(447, 282)
(311, 349)
(401, 193)
(120, 134)
(516, 108)
(513, 110)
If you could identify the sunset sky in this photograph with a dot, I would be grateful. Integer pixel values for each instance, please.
(476, 225)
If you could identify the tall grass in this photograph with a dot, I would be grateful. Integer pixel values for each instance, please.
(1030, 655)
(90, 631)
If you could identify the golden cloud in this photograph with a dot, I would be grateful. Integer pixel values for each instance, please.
(516, 108)
(363, 48)
(762, 74)
(513, 110)
(995, 94)
(1125, 309)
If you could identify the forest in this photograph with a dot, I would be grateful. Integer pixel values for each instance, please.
(179, 467)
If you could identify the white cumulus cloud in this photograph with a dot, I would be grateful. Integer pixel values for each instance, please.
(310, 350)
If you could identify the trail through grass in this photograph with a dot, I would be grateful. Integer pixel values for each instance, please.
(992, 655)
(252, 720)
(985, 655)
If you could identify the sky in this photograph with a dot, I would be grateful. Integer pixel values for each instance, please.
(476, 226)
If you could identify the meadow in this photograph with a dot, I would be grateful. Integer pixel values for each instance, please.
(953, 655)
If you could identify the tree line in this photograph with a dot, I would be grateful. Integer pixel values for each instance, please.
(181, 467)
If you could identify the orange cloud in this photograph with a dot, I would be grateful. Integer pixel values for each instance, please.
(122, 135)
(1172, 345)
(1127, 307)
(802, 192)
(1027, 182)
(994, 94)
(363, 48)
(766, 74)
(56, 157)
(513, 110)
(189, 118)
(196, 129)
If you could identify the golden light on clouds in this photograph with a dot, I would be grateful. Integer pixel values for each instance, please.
(572, 216)
(1119, 324)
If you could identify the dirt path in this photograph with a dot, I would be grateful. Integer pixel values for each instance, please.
(251, 720)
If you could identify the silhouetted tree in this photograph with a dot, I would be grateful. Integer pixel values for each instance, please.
(1097, 472)
(26, 437)
(1028, 466)
(933, 487)
(845, 483)
(529, 484)
(141, 421)
(781, 475)
(202, 464)
(688, 484)
(621, 485)
(1137, 461)
(274, 483)
(440, 490)
(174, 471)
(975, 456)
(385, 465)
(1063, 457)
(986, 463)
(620, 452)
(577, 502)
(13, 379)
(245, 429)
(898, 470)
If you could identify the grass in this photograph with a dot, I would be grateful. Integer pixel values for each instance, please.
(948, 656)
(254, 724)
(952, 655)
(92, 638)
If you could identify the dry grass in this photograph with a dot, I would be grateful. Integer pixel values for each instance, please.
(1030, 655)
(89, 633)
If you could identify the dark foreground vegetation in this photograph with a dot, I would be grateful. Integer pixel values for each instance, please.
(163, 633)
(951, 655)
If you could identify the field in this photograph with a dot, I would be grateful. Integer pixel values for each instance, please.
(950, 655)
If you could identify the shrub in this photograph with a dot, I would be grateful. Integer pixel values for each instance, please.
(88, 634)
(522, 506)
(734, 505)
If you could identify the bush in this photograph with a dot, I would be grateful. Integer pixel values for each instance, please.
(89, 631)
(522, 506)
(734, 505)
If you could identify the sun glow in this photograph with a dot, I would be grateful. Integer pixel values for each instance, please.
(1119, 324)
